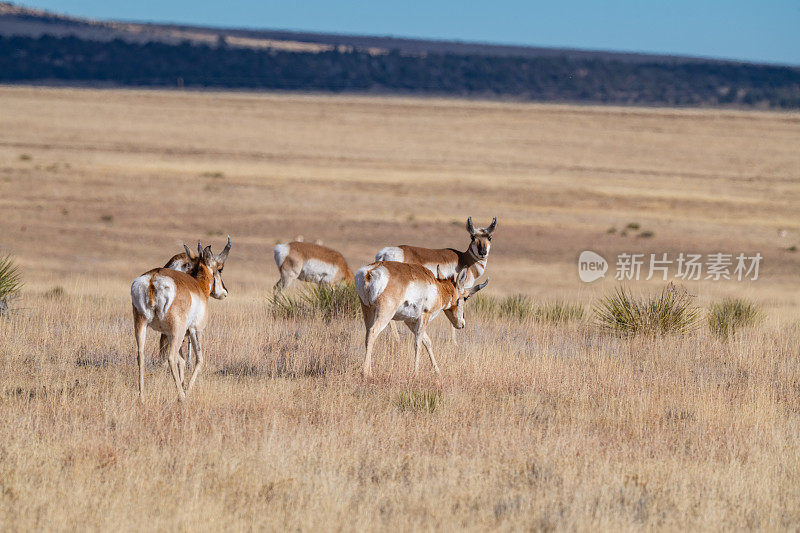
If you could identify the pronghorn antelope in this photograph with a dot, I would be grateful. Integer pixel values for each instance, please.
(184, 262)
(448, 260)
(176, 304)
(310, 262)
(399, 291)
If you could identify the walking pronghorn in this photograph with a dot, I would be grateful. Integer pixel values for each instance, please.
(390, 290)
(448, 260)
(310, 262)
(176, 304)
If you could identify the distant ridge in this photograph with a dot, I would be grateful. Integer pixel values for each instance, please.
(43, 47)
(22, 21)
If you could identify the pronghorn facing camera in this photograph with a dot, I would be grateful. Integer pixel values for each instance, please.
(176, 304)
(310, 262)
(448, 260)
(409, 293)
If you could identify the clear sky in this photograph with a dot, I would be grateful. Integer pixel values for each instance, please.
(753, 30)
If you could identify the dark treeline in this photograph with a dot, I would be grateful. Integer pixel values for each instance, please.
(668, 82)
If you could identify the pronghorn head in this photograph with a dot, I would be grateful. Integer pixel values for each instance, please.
(455, 309)
(215, 263)
(184, 262)
(481, 238)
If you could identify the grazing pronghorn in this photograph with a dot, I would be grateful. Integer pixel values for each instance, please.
(390, 290)
(176, 304)
(310, 262)
(448, 260)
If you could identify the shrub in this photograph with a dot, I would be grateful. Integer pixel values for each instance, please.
(327, 301)
(672, 311)
(731, 314)
(10, 282)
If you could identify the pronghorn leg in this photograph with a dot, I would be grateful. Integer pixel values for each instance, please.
(373, 330)
(175, 341)
(395, 333)
(194, 337)
(140, 331)
(427, 342)
(453, 340)
(416, 328)
(163, 350)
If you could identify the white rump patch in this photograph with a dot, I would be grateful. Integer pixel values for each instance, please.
(369, 291)
(139, 297)
(390, 253)
(165, 291)
(165, 294)
(317, 271)
(280, 252)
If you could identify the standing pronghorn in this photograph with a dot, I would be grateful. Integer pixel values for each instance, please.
(175, 303)
(448, 260)
(310, 262)
(184, 262)
(398, 291)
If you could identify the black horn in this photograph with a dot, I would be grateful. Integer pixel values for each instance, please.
(470, 227)
(492, 226)
(224, 254)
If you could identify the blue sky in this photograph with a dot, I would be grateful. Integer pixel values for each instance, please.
(749, 30)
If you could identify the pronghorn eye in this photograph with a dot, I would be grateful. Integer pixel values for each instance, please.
(489, 237)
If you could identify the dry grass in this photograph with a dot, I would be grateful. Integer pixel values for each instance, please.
(532, 425)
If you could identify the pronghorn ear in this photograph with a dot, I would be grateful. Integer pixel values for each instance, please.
(224, 254)
(470, 227)
(492, 226)
(476, 288)
(207, 256)
(189, 253)
(462, 277)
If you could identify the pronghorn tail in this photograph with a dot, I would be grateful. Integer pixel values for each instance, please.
(280, 252)
(370, 283)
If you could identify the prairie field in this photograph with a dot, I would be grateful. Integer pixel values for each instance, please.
(533, 424)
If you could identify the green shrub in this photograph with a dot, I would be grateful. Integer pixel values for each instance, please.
(419, 401)
(731, 314)
(672, 311)
(484, 305)
(521, 307)
(10, 282)
(327, 301)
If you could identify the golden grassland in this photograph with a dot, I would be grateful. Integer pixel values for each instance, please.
(532, 425)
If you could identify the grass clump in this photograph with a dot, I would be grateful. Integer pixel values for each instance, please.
(732, 314)
(559, 312)
(522, 307)
(672, 311)
(10, 282)
(517, 306)
(328, 301)
(419, 401)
